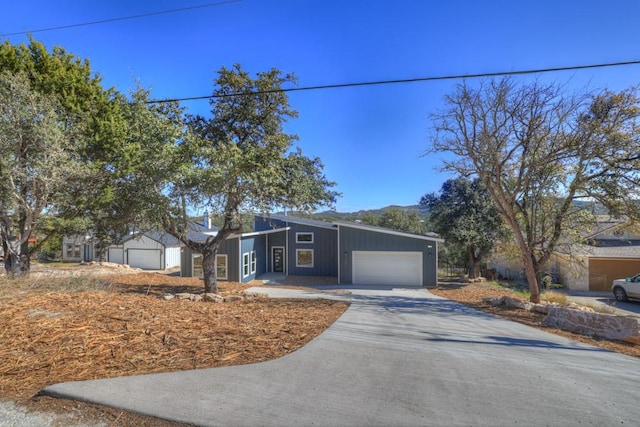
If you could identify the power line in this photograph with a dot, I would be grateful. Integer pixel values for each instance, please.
(397, 81)
(104, 21)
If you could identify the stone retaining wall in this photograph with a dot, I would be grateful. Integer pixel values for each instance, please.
(593, 324)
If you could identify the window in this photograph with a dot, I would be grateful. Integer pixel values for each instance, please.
(245, 265)
(197, 266)
(253, 262)
(304, 257)
(72, 251)
(304, 237)
(221, 267)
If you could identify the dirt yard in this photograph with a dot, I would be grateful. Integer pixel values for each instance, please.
(99, 321)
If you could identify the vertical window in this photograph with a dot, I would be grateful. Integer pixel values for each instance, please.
(253, 262)
(304, 257)
(245, 265)
(304, 237)
(221, 267)
(197, 266)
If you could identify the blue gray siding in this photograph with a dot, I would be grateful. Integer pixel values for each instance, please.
(248, 245)
(278, 239)
(353, 239)
(325, 256)
(228, 247)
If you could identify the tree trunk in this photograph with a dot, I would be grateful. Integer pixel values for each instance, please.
(209, 269)
(473, 264)
(17, 261)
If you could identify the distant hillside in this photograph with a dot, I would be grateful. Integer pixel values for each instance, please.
(352, 216)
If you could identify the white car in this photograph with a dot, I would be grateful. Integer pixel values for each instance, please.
(623, 289)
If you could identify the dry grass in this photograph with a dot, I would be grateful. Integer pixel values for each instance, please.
(554, 297)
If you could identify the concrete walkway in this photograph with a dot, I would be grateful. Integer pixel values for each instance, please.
(395, 358)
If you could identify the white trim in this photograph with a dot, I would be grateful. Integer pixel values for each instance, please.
(253, 261)
(193, 268)
(302, 221)
(258, 233)
(226, 266)
(305, 242)
(387, 231)
(248, 264)
(304, 266)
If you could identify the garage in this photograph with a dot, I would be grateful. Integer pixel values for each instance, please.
(146, 259)
(116, 255)
(603, 271)
(390, 268)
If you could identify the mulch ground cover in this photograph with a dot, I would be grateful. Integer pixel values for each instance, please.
(125, 327)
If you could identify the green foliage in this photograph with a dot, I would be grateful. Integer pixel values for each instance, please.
(236, 162)
(63, 152)
(396, 219)
(463, 214)
(537, 151)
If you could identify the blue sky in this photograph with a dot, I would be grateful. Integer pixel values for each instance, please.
(369, 138)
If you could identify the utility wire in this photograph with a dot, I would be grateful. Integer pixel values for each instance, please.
(104, 21)
(397, 81)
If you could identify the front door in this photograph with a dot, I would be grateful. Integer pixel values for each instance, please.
(278, 259)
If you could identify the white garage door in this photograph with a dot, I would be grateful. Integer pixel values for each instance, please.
(387, 268)
(116, 255)
(147, 259)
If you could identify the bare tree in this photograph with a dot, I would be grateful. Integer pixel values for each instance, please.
(537, 151)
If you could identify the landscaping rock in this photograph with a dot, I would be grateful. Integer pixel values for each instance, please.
(495, 301)
(232, 298)
(593, 324)
(514, 302)
(210, 297)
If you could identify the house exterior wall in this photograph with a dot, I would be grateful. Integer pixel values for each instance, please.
(76, 249)
(228, 247)
(324, 246)
(145, 243)
(256, 245)
(353, 239)
(278, 239)
(172, 256)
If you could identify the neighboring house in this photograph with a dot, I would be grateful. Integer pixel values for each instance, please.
(79, 249)
(354, 253)
(612, 251)
(153, 250)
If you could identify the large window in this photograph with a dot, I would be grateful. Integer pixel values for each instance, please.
(245, 264)
(304, 237)
(304, 257)
(221, 267)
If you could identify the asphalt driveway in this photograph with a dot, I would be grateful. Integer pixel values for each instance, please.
(396, 357)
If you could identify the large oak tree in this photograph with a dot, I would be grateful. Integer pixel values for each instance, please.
(537, 150)
(237, 161)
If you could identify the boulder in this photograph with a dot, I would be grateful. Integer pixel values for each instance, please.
(593, 324)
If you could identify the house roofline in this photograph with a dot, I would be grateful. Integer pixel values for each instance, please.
(301, 221)
(258, 233)
(388, 231)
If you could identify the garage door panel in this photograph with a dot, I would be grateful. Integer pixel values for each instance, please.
(387, 268)
(602, 272)
(146, 259)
